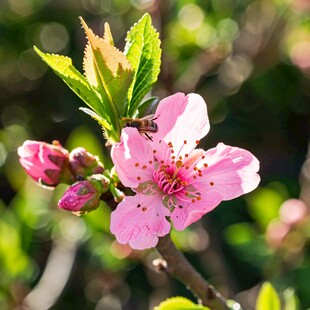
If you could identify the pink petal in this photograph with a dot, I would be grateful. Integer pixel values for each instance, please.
(188, 212)
(231, 171)
(180, 118)
(139, 220)
(133, 158)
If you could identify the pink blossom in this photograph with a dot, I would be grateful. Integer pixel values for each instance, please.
(42, 161)
(172, 179)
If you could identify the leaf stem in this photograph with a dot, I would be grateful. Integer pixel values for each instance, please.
(179, 267)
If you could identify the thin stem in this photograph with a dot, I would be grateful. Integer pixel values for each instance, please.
(179, 267)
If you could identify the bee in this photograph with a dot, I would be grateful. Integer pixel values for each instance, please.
(145, 125)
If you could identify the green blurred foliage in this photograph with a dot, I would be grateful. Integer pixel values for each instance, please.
(248, 59)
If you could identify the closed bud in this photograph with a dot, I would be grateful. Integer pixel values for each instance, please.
(45, 163)
(84, 196)
(84, 164)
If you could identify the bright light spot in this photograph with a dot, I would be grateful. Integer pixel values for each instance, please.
(205, 36)
(300, 55)
(142, 4)
(23, 8)
(72, 228)
(54, 37)
(227, 29)
(30, 65)
(191, 16)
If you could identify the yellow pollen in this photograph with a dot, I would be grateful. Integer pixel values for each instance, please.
(179, 163)
(184, 183)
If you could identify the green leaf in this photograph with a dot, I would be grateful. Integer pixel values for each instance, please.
(291, 301)
(143, 52)
(268, 298)
(179, 303)
(108, 70)
(63, 67)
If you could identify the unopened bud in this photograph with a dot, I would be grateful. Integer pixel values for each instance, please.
(84, 196)
(84, 164)
(45, 163)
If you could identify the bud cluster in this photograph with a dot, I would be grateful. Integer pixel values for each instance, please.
(52, 164)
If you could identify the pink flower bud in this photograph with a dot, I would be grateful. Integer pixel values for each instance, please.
(44, 162)
(84, 196)
(84, 164)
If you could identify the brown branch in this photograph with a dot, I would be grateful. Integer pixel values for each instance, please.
(179, 267)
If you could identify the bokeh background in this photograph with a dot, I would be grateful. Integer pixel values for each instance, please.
(250, 60)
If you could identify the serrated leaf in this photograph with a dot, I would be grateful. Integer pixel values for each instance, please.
(143, 52)
(107, 36)
(107, 69)
(179, 303)
(63, 67)
(268, 298)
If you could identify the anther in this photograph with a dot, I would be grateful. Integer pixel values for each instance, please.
(179, 163)
(136, 164)
(205, 165)
(138, 178)
(211, 183)
(186, 155)
(150, 162)
(185, 142)
(173, 157)
(197, 141)
(203, 157)
(193, 200)
(143, 167)
(198, 198)
(144, 209)
(154, 151)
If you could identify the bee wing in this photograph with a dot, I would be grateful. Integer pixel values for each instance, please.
(147, 117)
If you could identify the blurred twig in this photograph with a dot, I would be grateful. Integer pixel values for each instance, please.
(177, 266)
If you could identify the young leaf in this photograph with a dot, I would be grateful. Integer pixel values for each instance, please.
(107, 69)
(107, 36)
(268, 298)
(179, 303)
(143, 52)
(64, 68)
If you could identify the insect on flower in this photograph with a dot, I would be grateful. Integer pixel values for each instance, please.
(144, 125)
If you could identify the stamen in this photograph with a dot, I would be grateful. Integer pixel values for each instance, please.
(211, 183)
(150, 162)
(185, 142)
(136, 164)
(205, 164)
(144, 209)
(138, 178)
(197, 142)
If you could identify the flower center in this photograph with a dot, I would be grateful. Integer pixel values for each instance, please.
(166, 178)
